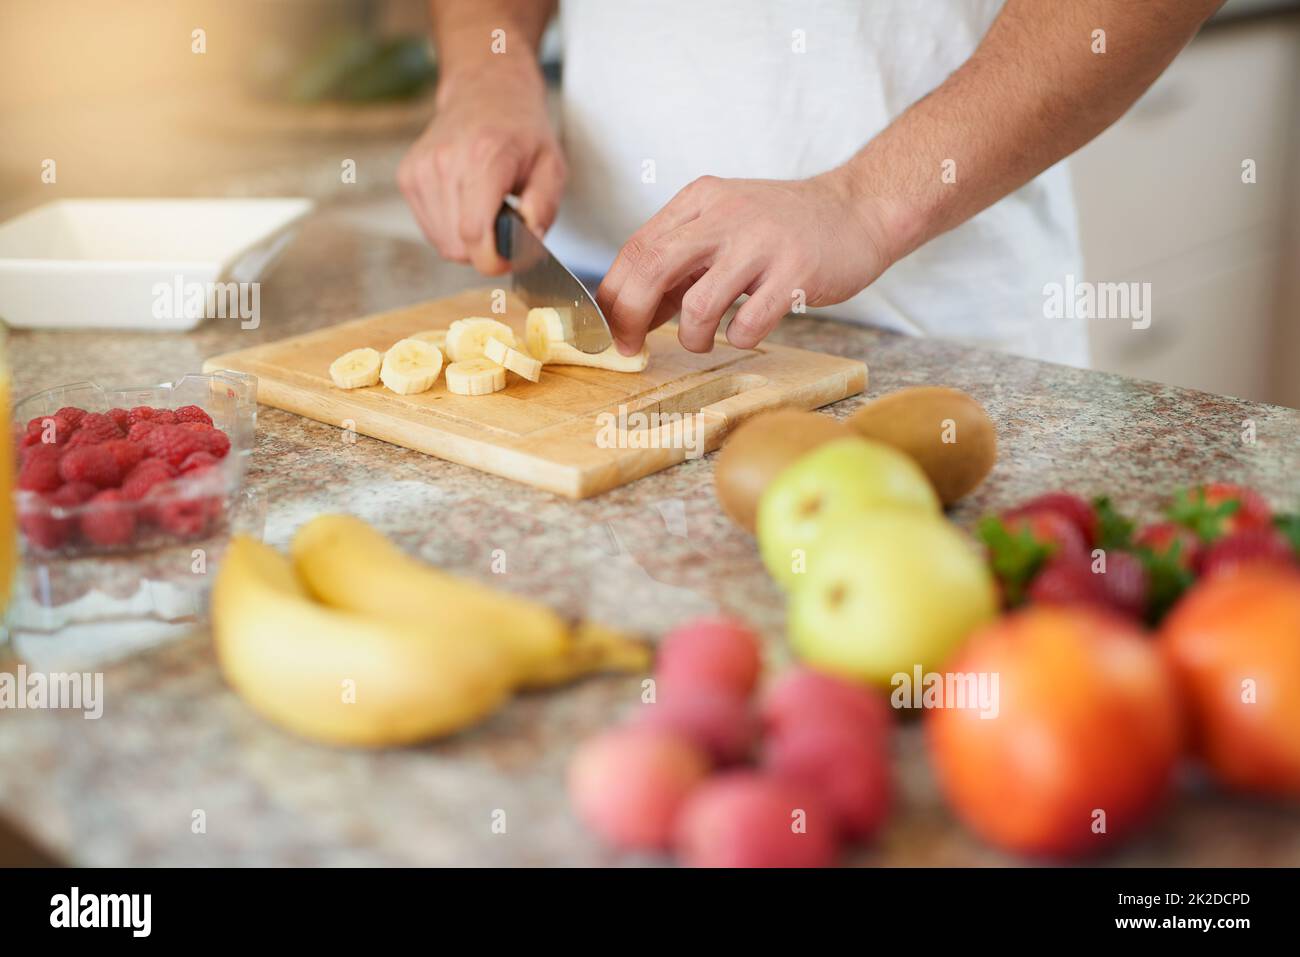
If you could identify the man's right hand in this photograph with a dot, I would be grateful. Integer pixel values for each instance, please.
(490, 136)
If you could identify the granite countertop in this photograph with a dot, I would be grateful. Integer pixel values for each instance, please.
(123, 790)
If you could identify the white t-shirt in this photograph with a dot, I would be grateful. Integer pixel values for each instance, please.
(782, 89)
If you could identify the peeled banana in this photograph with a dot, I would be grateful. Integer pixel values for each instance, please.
(356, 369)
(435, 337)
(411, 366)
(549, 339)
(466, 338)
(475, 377)
(340, 677)
(517, 362)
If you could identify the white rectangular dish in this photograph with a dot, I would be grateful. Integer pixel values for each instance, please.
(150, 264)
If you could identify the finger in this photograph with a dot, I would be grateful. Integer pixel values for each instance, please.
(481, 194)
(658, 269)
(671, 304)
(540, 201)
(677, 212)
(706, 302)
(445, 217)
(760, 313)
(415, 182)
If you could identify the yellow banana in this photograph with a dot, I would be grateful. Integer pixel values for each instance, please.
(339, 677)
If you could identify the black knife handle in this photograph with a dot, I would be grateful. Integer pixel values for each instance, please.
(502, 229)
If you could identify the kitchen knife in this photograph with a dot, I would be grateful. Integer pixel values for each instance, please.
(542, 280)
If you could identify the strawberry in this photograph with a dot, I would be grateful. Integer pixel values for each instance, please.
(1072, 507)
(145, 476)
(1247, 546)
(1067, 580)
(72, 415)
(40, 469)
(1219, 508)
(1171, 541)
(109, 519)
(198, 462)
(128, 454)
(1125, 583)
(90, 463)
(140, 429)
(1289, 526)
(1020, 545)
(172, 443)
(192, 413)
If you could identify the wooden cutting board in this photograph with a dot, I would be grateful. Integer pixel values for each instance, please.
(565, 433)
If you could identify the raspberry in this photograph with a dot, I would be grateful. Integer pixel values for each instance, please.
(164, 417)
(121, 418)
(43, 528)
(40, 469)
(109, 519)
(90, 463)
(145, 476)
(72, 415)
(192, 413)
(127, 454)
(186, 517)
(141, 413)
(49, 430)
(96, 427)
(198, 461)
(173, 444)
(74, 493)
(140, 429)
(218, 443)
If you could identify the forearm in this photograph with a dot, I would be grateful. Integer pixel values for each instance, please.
(467, 44)
(1032, 93)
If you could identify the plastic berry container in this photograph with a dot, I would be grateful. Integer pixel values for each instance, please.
(133, 541)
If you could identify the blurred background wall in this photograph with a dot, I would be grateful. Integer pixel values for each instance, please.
(113, 92)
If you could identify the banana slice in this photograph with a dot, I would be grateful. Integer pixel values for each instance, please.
(356, 369)
(411, 366)
(549, 336)
(435, 337)
(497, 351)
(475, 377)
(467, 337)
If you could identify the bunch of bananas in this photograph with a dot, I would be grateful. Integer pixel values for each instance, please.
(353, 642)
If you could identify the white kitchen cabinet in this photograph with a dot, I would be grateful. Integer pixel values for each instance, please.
(1161, 200)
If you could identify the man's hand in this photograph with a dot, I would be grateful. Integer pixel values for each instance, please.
(490, 134)
(720, 238)
(1037, 88)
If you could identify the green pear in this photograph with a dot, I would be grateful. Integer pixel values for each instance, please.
(825, 487)
(887, 591)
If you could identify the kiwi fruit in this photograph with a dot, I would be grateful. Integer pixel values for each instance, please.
(946, 431)
(760, 448)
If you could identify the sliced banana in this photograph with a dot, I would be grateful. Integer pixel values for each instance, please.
(514, 360)
(411, 366)
(435, 337)
(356, 369)
(475, 377)
(549, 336)
(466, 337)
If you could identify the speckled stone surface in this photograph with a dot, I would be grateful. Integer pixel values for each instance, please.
(174, 739)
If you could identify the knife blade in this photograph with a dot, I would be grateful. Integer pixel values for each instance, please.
(542, 280)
